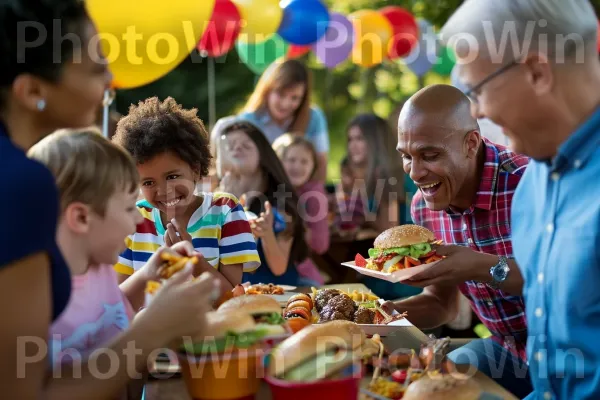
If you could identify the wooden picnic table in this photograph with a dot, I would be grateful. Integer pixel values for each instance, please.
(175, 389)
(172, 386)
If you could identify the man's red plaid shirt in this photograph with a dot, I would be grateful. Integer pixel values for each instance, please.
(485, 227)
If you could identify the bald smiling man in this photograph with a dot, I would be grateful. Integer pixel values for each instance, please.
(466, 184)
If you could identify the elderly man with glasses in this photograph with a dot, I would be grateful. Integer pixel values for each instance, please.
(532, 67)
(466, 184)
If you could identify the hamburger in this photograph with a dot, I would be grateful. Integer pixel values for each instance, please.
(443, 387)
(264, 310)
(320, 352)
(400, 247)
(226, 331)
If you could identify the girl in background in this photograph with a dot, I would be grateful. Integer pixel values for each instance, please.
(367, 136)
(280, 103)
(299, 160)
(251, 169)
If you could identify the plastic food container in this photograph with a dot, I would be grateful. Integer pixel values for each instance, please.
(346, 388)
(228, 376)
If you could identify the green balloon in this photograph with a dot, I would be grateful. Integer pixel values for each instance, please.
(258, 56)
(445, 62)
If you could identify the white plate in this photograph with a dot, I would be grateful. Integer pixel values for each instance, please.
(282, 299)
(380, 329)
(385, 330)
(286, 288)
(394, 277)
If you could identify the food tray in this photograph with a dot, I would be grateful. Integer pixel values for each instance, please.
(385, 330)
(380, 329)
(394, 277)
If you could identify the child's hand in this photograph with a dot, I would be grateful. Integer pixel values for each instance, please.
(180, 306)
(263, 225)
(175, 234)
(150, 270)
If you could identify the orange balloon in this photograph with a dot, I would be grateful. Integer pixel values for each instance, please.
(372, 35)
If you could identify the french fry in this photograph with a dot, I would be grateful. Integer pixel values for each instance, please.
(152, 287)
(167, 256)
(174, 264)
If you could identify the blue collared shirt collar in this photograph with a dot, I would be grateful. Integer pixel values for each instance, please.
(580, 146)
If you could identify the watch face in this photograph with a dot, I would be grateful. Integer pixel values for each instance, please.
(500, 273)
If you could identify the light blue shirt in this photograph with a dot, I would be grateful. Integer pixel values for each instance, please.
(556, 242)
(316, 132)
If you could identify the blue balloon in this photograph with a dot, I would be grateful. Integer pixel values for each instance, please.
(422, 58)
(304, 21)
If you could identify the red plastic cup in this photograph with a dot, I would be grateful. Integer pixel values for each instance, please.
(346, 388)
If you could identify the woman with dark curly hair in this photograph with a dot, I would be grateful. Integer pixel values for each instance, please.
(171, 149)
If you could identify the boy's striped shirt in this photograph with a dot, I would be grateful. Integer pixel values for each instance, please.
(219, 230)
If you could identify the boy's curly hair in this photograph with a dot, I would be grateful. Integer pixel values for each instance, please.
(154, 127)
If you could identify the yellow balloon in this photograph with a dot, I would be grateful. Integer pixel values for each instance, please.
(260, 19)
(372, 34)
(143, 41)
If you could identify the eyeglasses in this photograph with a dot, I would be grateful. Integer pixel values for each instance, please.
(473, 92)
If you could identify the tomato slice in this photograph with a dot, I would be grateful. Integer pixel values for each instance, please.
(400, 375)
(413, 261)
(407, 263)
(424, 256)
(360, 261)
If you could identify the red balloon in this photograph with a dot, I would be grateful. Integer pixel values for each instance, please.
(296, 51)
(405, 28)
(222, 29)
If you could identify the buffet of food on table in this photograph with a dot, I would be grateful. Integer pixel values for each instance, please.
(321, 344)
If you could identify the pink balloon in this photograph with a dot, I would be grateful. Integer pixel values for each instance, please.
(335, 46)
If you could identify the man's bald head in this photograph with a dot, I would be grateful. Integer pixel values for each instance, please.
(438, 142)
(443, 107)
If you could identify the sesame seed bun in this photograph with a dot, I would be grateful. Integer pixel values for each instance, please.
(403, 235)
(252, 304)
(314, 339)
(443, 387)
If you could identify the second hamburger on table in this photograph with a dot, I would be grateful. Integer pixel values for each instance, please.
(264, 309)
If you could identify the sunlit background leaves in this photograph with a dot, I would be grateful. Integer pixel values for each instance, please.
(341, 93)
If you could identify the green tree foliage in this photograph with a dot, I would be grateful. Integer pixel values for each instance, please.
(342, 92)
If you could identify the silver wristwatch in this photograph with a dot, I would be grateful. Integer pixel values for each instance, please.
(499, 272)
